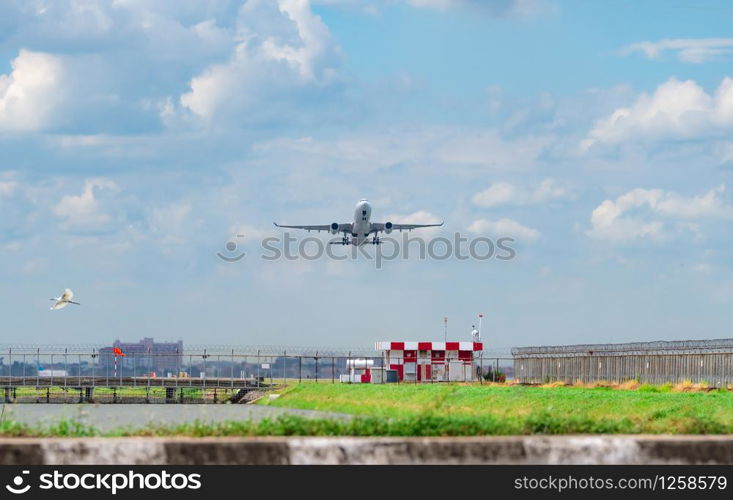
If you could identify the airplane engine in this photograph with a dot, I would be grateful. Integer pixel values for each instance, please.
(334, 228)
(387, 227)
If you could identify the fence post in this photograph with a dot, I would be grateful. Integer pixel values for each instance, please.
(300, 369)
(217, 374)
(190, 371)
(316, 367)
(94, 366)
(204, 356)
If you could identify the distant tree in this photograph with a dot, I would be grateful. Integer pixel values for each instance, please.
(494, 375)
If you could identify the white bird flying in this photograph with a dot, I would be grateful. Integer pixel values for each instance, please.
(64, 300)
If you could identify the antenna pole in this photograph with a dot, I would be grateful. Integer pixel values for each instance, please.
(445, 331)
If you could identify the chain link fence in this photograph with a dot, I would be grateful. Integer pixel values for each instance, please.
(195, 375)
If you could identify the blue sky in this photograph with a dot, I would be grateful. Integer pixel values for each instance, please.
(138, 138)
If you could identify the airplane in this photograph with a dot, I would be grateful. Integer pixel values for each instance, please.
(64, 300)
(357, 232)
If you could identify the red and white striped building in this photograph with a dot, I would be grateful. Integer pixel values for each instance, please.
(431, 361)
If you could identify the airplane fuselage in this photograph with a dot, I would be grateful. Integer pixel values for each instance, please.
(361, 227)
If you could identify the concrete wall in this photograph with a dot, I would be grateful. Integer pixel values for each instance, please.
(267, 451)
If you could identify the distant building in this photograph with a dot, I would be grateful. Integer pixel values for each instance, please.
(144, 356)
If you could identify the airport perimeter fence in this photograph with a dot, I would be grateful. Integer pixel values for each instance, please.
(195, 375)
(698, 361)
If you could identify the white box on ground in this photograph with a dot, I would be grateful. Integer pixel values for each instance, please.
(456, 372)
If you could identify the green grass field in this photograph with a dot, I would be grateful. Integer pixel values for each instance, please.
(496, 409)
(455, 410)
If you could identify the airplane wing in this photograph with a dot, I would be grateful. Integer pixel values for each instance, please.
(381, 226)
(341, 228)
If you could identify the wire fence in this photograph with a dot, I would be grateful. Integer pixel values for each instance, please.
(67, 374)
(72, 373)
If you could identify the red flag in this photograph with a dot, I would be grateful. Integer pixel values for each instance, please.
(118, 352)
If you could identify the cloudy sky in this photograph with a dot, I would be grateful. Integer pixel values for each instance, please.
(137, 138)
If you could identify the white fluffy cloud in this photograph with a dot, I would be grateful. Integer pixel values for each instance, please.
(636, 215)
(169, 224)
(283, 46)
(84, 211)
(494, 8)
(505, 193)
(123, 65)
(7, 188)
(419, 217)
(466, 150)
(163, 30)
(690, 50)
(504, 228)
(32, 93)
(676, 110)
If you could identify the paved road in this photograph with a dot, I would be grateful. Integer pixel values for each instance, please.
(114, 416)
